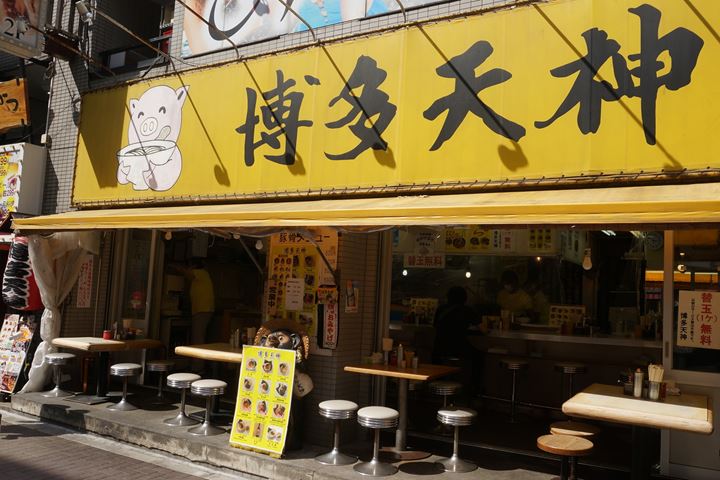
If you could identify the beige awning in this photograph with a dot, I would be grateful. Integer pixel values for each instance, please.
(656, 205)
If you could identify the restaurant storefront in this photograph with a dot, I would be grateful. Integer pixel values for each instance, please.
(569, 142)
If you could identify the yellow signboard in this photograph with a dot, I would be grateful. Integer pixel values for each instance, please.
(262, 409)
(13, 104)
(565, 88)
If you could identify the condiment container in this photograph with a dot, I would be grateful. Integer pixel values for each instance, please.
(637, 391)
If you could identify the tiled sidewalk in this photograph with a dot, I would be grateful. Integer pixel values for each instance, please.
(33, 450)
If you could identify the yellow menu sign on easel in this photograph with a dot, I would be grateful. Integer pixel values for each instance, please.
(264, 397)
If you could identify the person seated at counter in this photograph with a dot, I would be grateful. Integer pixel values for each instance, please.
(512, 298)
(540, 303)
(451, 329)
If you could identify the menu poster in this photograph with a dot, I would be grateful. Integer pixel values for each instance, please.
(294, 258)
(262, 409)
(15, 338)
(85, 283)
(328, 305)
(698, 319)
(541, 240)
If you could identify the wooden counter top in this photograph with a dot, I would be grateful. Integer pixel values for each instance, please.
(422, 373)
(583, 339)
(96, 344)
(688, 412)
(218, 352)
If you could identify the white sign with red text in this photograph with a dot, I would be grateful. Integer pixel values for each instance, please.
(698, 313)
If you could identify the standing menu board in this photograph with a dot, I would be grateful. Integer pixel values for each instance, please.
(15, 337)
(262, 409)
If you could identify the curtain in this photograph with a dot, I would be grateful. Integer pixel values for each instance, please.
(56, 260)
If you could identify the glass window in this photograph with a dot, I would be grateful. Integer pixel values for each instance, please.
(537, 277)
(696, 332)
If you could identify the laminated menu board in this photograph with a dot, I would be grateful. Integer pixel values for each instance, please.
(15, 337)
(264, 397)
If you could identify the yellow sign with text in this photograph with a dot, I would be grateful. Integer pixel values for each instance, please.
(565, 88)
(262, 409)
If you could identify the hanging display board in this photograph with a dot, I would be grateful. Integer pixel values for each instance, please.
(15, 337)
(296, 271)
(264, 398)
(698, 319)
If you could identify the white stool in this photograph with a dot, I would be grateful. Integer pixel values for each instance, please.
(456, 417)
(377, 418)
(183, 381)
(514, 365)
(57, 360)
(124, 370)
(208, 388)
(162, 367)
(445, 389)
(337, 410)
(570, 369)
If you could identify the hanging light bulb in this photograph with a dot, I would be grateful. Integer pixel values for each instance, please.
(404, 272)
(468, 274)
(587, 260)
(259, 244)
(168, 235)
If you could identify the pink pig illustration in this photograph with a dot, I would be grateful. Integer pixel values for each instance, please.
(152, 159)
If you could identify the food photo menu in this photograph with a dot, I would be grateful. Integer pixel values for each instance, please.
(262, 409)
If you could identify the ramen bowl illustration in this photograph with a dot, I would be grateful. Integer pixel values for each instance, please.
(157, 152)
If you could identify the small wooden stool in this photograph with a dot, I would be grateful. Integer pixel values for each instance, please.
(567, 447)
(576, 429)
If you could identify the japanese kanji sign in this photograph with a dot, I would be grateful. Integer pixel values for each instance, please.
(555, 89)
(13, 104)
(698, 313)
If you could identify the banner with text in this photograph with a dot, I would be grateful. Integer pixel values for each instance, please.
(548, 90)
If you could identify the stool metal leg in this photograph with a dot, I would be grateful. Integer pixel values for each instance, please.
(456, 464)
(160, 385)
(512, 397)
(181, 419)
(564, 468)
(123, 404)
(207, 428)
(335, 456)
(375, 468)
(57, 391)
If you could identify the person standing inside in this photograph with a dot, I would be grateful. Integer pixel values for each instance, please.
(202, 304)
(452, 321)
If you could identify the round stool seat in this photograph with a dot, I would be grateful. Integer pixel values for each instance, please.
(125, 369)
(208, 387)
(338, 409)
(565, 445)
(182, 380)
(445, 388)
(378, 417)
(58, 358)
(577, 429)
(456, 416)
(514, 363)
(570, 368)
(159, 365)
